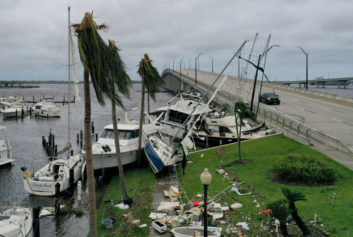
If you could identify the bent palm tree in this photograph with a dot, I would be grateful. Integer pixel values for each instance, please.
(292, 197)
(151, 81)
(241, 111)
(91, 49)
(118, 76)
(280, 212)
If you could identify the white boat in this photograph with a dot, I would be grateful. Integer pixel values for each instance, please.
(5, 152)
(4, 105)
(104, 152)
(46, 108)
(15, 222)
(217, 128)
(191, 231)
(159, 226)
(171, 125)
(55, 177)
(16, 110)
(178, 123)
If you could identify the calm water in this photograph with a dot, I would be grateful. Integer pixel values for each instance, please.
(26, 135)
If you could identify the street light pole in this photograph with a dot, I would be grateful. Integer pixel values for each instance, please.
(307, 63)
(196, 67)
(211, 61)
(173, 64)
(206, 179)
(181, 59)
(255, 80)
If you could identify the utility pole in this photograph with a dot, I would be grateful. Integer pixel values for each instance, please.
(254, 88)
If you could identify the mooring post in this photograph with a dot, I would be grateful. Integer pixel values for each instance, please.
(35, 223)
(92, 127)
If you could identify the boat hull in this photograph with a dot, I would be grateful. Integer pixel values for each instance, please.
(15, 222)
(13, 114)
(49, 185)
(109, 160)
(153, 159)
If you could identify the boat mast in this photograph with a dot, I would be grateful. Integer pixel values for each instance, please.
(69, 76)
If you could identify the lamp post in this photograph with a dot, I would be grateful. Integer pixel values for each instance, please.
(306, 57)
(206, 179)
(173, 64)
(196, 67)
(181, 59)
(211, 61)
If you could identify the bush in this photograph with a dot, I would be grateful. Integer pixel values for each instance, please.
(304, 170)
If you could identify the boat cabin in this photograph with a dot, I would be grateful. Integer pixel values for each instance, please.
(126, 131)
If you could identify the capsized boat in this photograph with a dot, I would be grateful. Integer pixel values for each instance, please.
(55, 177)
(191, 231)
(15, 221)
(104, 151)
(46, 108)
(170, 126)
(5, 152)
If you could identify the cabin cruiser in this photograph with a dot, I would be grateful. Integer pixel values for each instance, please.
(217, 128)
(55, 177)
(16, 110)
(15, 221)
(46, 108)
(104, 152)
(172, 124)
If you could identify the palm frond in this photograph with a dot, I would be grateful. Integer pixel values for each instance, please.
(153, 80)
(91, 47)
(293, 196)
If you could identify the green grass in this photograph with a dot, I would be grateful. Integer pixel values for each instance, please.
(262, 154)
(139, 183)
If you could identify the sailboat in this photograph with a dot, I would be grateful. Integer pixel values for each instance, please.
(161, 149)
(60, 174)
(15, 221)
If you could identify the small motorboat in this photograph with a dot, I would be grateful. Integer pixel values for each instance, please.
(15, 222)
(5, 152)
(46, 108)
(16, 110)
(191, 231)
(55, 177)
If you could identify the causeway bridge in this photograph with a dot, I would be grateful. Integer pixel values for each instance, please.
(342, 82)
(320, 120)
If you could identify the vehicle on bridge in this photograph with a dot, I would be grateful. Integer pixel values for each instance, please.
(269, 98)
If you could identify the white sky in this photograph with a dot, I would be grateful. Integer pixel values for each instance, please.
(33, 42)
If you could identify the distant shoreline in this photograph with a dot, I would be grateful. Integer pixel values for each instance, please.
(2, 83)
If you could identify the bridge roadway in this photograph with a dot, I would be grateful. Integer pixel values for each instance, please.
(332, 118)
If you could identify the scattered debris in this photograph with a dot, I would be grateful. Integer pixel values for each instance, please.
(243, 225)
(236, 206)
(156, 215)
(159, 226)
(122, 206)
(167, 206)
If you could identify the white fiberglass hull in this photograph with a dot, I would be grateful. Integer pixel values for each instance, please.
(5, 152)
(50, 182)
(13, 113)
(15, 222)
(109, 160)
(190, 231)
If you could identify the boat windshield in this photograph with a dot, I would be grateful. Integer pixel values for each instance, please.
(177, 117)
(123, 134)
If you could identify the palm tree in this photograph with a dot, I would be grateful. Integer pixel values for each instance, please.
(280, 212)
(292, 197)
(241, 111)
(91, 49)
(151, 81)
(118, 76)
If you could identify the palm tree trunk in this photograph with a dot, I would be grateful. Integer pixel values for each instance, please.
(148, 103)
(283, 228)
(139, 158)
(88, 157)
(117, 149)
(238, 130)
(298, 220)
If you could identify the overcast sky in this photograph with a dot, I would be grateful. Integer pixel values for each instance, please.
(33, 42)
